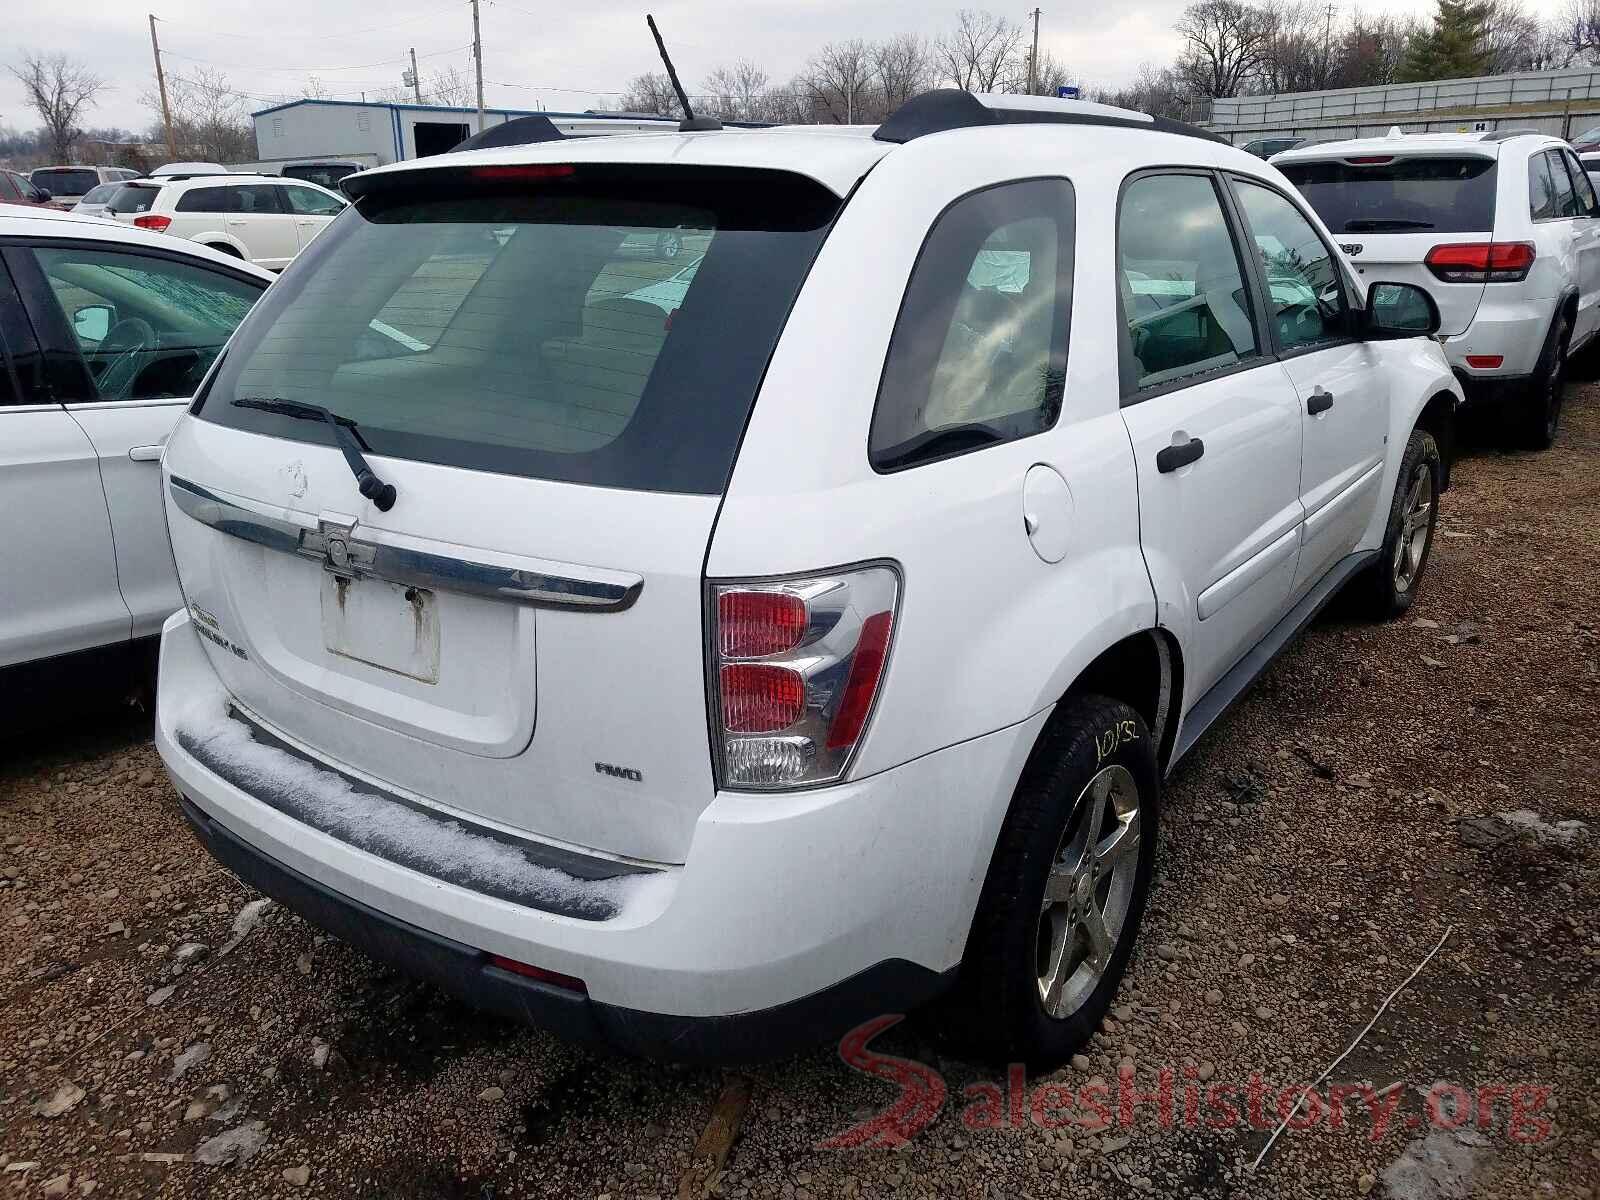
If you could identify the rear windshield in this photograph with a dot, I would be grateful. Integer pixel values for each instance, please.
(99, 195)
(1448, 195)
(64, 181)
(133, 198)
(602, 325)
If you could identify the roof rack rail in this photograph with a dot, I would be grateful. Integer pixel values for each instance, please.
(954, 108)
(520, 131)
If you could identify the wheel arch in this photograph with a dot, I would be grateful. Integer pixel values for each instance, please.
(1438, 417)
(1145, 671)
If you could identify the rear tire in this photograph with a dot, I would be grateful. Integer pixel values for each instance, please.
(1391, 583)
(1537, 417)
(1066, 889)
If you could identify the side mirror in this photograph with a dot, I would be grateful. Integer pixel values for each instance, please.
(1399, 310)
(92, 322)
(45, 195)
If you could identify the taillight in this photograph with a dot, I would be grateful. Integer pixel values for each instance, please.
(155, 221)
(796, 666)
(1481, 262)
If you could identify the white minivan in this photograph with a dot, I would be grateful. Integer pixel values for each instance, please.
(705, 667)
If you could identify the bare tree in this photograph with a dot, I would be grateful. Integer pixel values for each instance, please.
(981, 53)
(447, 85)
(904, 68)
(315, 89)
(209, 118)
(1519, 41)
(1578, 31)
(58, 89)
(840, 80)
(1157, 91)
(1373, 48)
(1050, 75)
(651, 93)
(1225, 43)
(736, 93)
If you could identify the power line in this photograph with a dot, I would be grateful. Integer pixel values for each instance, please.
(312, 37)
(309, 70)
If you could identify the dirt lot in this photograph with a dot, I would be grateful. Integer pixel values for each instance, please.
(1316, 848)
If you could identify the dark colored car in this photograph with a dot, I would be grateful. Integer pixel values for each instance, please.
(19, 189)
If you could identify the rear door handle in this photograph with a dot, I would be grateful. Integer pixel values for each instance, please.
(1319, 402)
(1170, 458)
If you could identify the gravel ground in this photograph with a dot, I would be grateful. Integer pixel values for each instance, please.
(1316, 848)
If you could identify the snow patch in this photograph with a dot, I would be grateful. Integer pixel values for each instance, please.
(435, 846)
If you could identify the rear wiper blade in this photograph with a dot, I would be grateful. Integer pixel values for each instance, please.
(1372, 224)
(345, 433)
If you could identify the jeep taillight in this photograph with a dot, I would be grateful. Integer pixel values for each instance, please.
(1481, 262)
(796, 666)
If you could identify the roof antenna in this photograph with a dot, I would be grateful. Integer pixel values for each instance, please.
(690, 122)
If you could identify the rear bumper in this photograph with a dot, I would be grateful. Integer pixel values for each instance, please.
(1512, 329)
(793, 918)
(466, 973)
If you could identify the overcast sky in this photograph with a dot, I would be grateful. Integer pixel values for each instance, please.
(269, 49)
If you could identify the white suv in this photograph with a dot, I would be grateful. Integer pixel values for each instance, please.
(1501, 228)
(262, 218)
(705, 677)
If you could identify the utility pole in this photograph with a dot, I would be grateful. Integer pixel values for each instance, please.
(1327, 45)
(477, 59)
(416, 80)
(1033, 57)
(161, 86)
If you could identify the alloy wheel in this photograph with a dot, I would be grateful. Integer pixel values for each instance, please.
(1416, 526)
(1088, 892)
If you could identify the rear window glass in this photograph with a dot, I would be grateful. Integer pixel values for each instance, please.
(64, 181)
(1449, 195)
(203, 199)
(101, 194)
(547, 327)
(133, 199)
(327, 174)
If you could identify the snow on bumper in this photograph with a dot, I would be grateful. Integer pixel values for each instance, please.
(781, 896)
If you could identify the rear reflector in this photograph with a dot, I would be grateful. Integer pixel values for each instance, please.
(1485, 362)
(1370, 160)
(871, 651)
(525, 172)
(529, 971)
(155, 221)
(1481, 262)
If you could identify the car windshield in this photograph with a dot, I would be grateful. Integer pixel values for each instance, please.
(530, 325)
(65, 181)
(133, 198)
(1442, 195)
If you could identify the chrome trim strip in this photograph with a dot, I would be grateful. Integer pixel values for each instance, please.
(512, 578)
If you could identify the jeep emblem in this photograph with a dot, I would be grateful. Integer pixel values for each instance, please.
(1351, 248)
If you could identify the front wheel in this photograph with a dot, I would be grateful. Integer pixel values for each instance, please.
(1066, 888)
(1392, 582)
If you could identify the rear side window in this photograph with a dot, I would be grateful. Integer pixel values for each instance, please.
(203, 199)
(256, 198)
(1397, 195)
(524, 321)
(1541, 189)
(63, 181)
(1182, 282)
(133, 199)
(979, 353)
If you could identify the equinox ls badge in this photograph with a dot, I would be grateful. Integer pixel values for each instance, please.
(617, 772)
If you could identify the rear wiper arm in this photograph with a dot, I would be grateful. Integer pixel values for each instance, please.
(1373, 224)
(345, 433)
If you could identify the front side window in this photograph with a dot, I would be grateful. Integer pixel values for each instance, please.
(522, 323)
(309, 202)
(1541, 189)
(979, 352)
(148, 328)
(1305, 295)
(1183, 291)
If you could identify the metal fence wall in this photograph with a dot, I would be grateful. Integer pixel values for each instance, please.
(1555, 88)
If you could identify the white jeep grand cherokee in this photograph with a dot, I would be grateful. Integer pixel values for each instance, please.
(706, 678)
(1502, 230)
